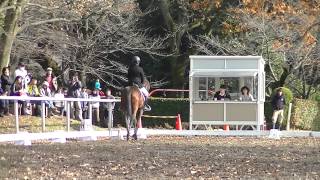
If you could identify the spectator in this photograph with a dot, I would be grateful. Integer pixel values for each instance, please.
(108, 106)
(32, 88)
(245, 94)
(51, 79)
(33, 91)
(6, 83)
(1, 108)
(97, 85)
(222, 94)
(95, 105)
(75, 92)
(22, 72)
(46, 92)
(84, 105)
(278, 102)
(17, 90)
(60, 105)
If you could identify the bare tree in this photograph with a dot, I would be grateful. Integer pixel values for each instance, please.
(285, 41)
(99, 44)
(20, 14)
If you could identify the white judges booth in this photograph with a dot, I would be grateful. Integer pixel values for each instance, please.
(208, 73)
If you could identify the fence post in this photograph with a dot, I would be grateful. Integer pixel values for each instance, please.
(110, 120)
(16, 113)
(68, 116)
(43, 115)
(289, 117)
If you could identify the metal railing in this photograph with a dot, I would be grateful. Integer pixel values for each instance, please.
(167, 90)
(68, 101)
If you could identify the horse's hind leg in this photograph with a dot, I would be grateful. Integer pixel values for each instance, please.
(138, 120)
(128, 126)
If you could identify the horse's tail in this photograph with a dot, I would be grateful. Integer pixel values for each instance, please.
(129, 105)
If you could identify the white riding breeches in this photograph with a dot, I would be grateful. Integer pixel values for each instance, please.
(144, 91)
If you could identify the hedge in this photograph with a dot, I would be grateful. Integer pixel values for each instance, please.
(160, 107)
(166, 107)
(306, 115)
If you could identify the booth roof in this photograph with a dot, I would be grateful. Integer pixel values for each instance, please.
(223, 73)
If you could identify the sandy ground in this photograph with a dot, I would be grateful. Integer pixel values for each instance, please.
(165, 158)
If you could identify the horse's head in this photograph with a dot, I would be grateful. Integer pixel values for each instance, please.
(146, 84)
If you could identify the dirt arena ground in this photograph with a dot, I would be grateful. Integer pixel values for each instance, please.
(165, 158)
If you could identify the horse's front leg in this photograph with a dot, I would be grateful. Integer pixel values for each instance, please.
(127, 117)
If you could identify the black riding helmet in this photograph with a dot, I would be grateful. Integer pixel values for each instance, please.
(136, 60)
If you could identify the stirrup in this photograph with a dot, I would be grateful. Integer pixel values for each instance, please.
(147, 107)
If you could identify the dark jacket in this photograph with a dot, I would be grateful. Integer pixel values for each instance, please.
(15, 88)
(75, 89)
(6, 83)
(219, 97)
(135, 76)
(278, 102)
(1, 90)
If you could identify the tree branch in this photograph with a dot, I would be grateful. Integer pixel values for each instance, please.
(42, 22)
(2, 9)
(42, 7)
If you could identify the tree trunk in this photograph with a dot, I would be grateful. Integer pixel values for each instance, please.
(10, 31)
(177, 30)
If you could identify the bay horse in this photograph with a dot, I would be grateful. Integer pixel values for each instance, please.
(132, 105)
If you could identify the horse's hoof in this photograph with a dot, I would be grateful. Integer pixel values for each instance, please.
(135, 137)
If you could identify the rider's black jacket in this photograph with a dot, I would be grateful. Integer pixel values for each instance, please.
(135, 76)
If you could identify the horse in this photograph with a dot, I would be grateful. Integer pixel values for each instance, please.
(132, 105)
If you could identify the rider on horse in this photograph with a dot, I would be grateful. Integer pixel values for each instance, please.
(136, 77)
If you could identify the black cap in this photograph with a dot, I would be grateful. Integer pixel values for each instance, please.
(223, 87)
(21, 63)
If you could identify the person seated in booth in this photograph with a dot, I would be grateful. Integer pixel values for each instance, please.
(245, 94)
(222, 94)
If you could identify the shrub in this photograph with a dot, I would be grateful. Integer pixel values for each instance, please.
(166, 107)
(306, 115)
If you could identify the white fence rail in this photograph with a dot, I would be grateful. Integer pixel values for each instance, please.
(68, 101)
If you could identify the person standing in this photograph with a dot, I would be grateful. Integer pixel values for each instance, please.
(6, 83)
(97, 84)
(17, 90)
(46, 92)
(84, 105)
(75, 92)
(106, 106)
(278, 102)
(51, 79)
(23, 73)
(95, 106)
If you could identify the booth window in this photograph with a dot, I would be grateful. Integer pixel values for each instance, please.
(206, 87)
